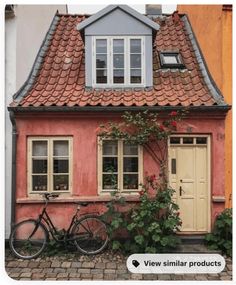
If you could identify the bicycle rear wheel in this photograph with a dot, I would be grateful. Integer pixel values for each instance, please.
(28, 239)
(90, 234)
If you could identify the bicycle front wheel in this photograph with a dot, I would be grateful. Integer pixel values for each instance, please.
(28, 239)
(90, 235)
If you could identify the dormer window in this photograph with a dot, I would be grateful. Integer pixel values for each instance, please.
(118, 61)
(171, 60)
(118, 48)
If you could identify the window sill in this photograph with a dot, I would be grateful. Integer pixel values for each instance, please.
(71, 199)
(117, 86)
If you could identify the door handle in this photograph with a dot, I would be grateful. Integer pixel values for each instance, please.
(180, 191)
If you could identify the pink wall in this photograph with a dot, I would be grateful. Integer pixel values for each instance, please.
(83, 128)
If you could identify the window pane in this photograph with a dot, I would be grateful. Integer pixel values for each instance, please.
(118, 60)
(130, 149)
(135, 46)
(109, 164)
(39, 182)
(130, 164)
(101, 60)
(60, 182)
(110, 147)
(118, 46)
(60, 166)
(60, 148)
(135, 76)
(101, 76)
(109, 181)
(188, 140)
(135, 61)
(170, 59)
(118, 76)
(175, 140)
(101, 46)
(39, 148)
(130, 181)
(201, 140)
(40, 166)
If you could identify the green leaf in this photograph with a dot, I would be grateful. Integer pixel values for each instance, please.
(156, 238)
(164, 241)
(139, 239)
(150, 249)
(116, 223)
(131, 226)
(116, 245)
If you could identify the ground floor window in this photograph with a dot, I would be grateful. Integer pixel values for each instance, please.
(120, 166)
(49, 164)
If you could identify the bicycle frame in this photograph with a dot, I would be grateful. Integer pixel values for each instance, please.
(45, 218)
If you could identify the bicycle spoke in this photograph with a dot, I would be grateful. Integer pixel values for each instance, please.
(28, 239)
(97, 238)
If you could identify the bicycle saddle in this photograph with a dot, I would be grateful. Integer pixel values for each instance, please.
(83, 204)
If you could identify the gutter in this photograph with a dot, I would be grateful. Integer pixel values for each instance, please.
(13, 174)
(67, 109)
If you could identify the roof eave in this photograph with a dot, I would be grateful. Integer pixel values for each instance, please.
(214, 108)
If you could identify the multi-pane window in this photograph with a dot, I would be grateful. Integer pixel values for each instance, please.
(118, 61)
(120, 166)
(49, 164)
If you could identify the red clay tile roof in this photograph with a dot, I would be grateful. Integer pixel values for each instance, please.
(59, 76)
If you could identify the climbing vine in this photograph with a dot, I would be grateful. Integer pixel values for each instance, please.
(151, 224)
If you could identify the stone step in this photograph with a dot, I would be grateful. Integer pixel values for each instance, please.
(194, 248)
(192, 239)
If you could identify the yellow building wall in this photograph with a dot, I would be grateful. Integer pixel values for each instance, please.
(212, 25)
(227, 92)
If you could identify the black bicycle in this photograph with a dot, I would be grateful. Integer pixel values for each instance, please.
(29, 238)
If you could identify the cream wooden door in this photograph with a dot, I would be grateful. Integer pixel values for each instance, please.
(188, 165)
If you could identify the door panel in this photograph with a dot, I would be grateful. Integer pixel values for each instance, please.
(173, 176)
(202, 186)
(191, 178)
(186, 207)
(186, 180)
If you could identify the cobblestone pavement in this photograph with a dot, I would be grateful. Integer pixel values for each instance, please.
(105, 266)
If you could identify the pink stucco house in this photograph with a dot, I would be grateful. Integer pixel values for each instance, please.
(89, 70)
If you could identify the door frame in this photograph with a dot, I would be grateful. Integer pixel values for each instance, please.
(208, 146)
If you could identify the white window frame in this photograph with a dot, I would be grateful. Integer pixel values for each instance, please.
(50, 156)
(120, 157)
(110, 62)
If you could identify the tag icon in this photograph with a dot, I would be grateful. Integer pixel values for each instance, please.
(135, 263)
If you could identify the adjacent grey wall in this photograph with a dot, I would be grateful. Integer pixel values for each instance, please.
(24, 33)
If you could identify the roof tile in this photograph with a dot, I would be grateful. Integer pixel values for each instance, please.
(61, 79)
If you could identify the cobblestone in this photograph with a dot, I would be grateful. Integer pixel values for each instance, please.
(88, 265)
(105, 266)
(26, 274)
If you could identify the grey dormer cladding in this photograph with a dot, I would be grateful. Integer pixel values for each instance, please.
(125, 9)
(118, 20)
